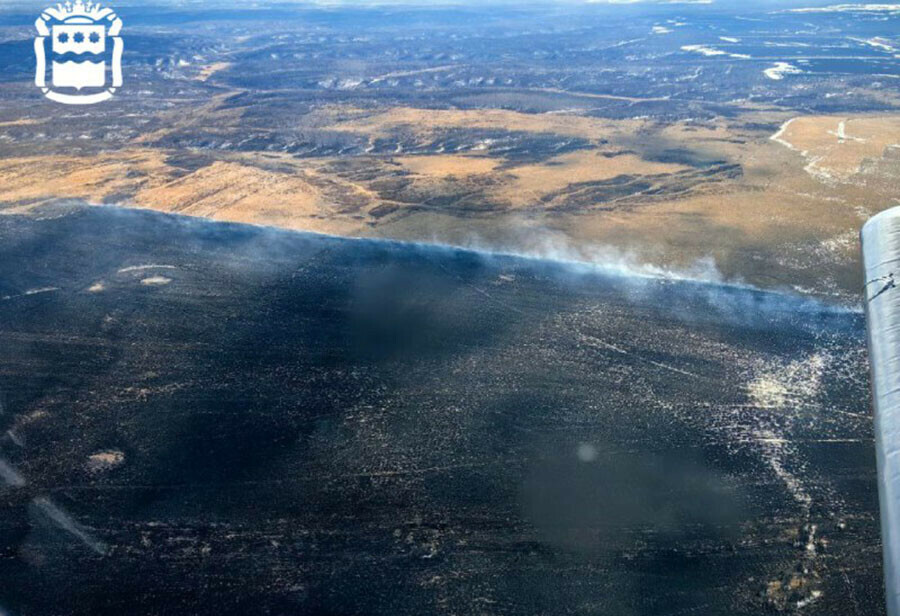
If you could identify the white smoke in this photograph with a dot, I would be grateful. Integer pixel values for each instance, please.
(550, 245)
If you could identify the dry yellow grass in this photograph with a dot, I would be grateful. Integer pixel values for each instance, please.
(529, 183)
(444, 166)
(759, 226)
(224, 190)
(211, 69)
(836, 147)
(232, 191)
(41, 178)
(20, 122)
(777, 225)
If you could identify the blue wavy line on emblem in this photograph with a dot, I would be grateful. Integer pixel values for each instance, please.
(71, 56)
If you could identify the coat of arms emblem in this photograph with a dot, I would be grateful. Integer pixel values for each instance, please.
(84, 40)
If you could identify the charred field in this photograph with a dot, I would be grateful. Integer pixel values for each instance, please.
(215, 418)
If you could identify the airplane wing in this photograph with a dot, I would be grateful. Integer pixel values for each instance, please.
(881, 257)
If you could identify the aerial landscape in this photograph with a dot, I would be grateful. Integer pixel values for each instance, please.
(421, 308)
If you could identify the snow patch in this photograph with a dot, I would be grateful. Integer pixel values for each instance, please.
(712, 51)
(156, 281)
(104, 460)
(138, 268)
(849, 8)
(877, 42)
(781, 69)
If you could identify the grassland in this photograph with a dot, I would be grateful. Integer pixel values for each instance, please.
(776, 208)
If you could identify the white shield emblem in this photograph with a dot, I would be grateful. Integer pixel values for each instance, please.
(84, 40)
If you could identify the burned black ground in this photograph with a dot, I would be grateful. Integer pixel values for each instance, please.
(284, 423)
